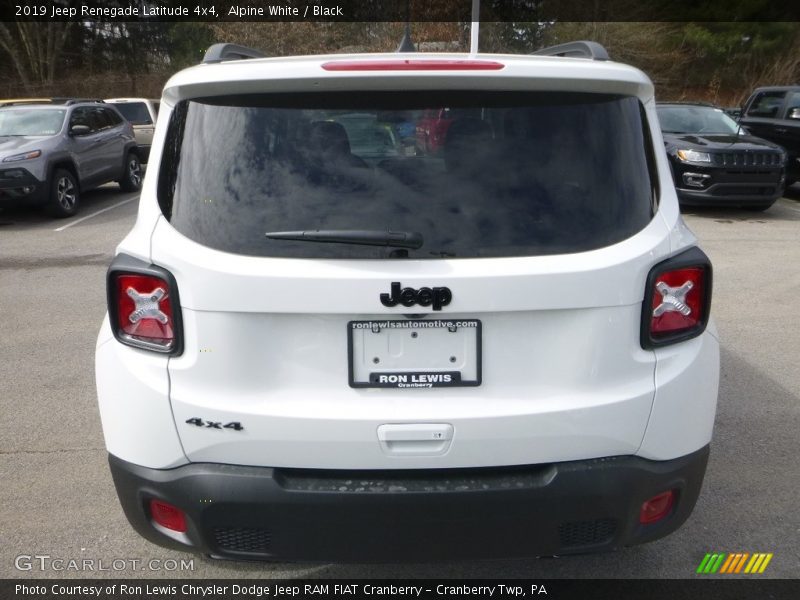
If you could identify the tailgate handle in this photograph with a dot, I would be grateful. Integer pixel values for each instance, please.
(415, 439)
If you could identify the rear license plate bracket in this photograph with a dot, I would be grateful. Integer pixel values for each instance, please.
(424, 353)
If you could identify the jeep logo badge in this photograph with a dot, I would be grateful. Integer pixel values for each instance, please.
(438, 296)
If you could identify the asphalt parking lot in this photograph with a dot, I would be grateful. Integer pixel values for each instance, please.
(57, 498)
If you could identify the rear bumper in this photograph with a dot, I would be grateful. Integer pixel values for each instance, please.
(261, 513)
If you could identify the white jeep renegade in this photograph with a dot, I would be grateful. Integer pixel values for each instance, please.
(329, 338)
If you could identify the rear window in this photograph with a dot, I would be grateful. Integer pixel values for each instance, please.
(135, 112)
(516, 174)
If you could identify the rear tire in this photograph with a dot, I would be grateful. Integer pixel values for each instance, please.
(132, 178)
(64, 194)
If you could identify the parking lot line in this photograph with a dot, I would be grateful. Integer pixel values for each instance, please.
(785, 204)
(94, 214)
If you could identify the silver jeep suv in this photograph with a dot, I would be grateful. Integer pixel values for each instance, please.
(51, 153)
(142, 114)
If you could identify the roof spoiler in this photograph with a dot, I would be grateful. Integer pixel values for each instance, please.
(580, 49)
(220, 52)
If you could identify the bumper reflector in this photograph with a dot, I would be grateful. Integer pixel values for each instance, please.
(167, 515)
(657, 507)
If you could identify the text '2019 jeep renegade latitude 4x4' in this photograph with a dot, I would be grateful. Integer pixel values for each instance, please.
(501, 349)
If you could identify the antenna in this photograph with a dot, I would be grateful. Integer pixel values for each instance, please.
(406, 45)
(474, 31)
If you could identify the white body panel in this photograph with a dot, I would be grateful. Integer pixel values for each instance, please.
(687, 382)
(543, 398)
(133, 388)
(564, 376)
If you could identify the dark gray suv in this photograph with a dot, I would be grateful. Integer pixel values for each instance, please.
(773, 113)
(51, 153)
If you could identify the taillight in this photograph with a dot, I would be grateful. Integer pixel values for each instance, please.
(143, 305)
(677, 299)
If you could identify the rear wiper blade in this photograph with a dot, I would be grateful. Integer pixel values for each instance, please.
(366, 237)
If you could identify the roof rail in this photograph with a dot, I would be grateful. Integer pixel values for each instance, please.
(581, 49)
(689, 103)
(71, 101)
(219, 52)
(64, 101)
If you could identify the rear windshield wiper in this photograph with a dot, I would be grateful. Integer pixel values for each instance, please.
(366, 237)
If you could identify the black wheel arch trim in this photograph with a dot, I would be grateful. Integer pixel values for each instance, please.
(130, 148)
(63, 161)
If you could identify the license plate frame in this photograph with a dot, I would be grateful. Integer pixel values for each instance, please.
(419, 375)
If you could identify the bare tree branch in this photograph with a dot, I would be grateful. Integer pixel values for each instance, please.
(35, 50)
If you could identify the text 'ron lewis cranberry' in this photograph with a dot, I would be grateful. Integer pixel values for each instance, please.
(437, 297)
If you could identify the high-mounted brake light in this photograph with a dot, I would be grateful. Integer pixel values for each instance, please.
(143, 307)
(677, 299)
(419, 64)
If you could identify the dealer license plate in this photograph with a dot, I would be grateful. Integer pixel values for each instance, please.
(423, 353)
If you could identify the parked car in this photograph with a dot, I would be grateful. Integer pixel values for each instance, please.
(51, 153)
(773, 113)
(142, 114)
(715, 162)
(433, 124)
(502, 348)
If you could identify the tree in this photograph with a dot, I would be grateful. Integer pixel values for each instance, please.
(35, 49)
(740, 55)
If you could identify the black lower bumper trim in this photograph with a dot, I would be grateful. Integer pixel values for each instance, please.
(389, 516)
(731, 194)
(18, 187)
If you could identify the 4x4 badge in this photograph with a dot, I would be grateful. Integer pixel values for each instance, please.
(437, 297)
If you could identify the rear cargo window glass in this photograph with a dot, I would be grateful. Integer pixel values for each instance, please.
(135, 112)
(475, 174)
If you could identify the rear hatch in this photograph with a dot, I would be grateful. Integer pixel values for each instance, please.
(369, 305)
(138, 114)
